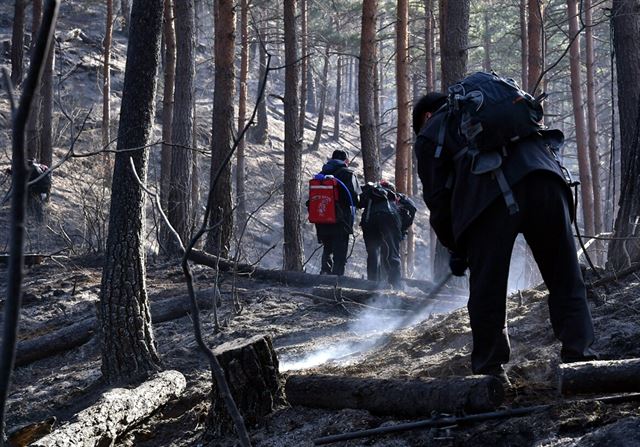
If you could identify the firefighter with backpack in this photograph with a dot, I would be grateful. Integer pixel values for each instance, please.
(386, 218)
(333, 200)
(490, 171)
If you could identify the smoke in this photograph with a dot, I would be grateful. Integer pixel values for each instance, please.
(369, 330)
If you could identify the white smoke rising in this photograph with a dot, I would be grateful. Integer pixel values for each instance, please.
(369, 330)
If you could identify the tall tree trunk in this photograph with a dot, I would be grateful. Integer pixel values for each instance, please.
(125, 10)
(429, 33)
(219, 239)
(366, 86)
(403, 133)
(128, 346)
(259, 132)
(578, 114)
(536, 45)
(167, 107)
(241, 209)
(33, 134)
(486, 37)
(323, 100)
(17, 42)
(305, 65)
(524, 46)
(45, 151)
(311, 90)
(106, 93)
(179, 206)
(626, 29)
(338, 103)
(293, 254)
(594, 156)
(454, 38)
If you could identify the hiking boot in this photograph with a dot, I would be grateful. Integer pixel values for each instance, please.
(504, 379)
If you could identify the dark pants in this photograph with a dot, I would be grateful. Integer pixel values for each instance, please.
(334, 252)
(544, 220)
(382, 238)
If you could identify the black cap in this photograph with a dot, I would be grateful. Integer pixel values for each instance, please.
(430, 102)
(339, 155)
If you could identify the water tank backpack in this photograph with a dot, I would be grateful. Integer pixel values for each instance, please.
(324, 193)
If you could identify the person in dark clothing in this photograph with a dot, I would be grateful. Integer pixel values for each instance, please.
(385, 220)
(478, 221)
(335, 237)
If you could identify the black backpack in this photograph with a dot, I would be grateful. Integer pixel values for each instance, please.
(42, 186)
(493, 111)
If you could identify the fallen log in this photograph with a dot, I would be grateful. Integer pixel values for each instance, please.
(251, 369)
(297, 278)
(599, 377)
(27, 434)
(381, 299)
(33, 259)
(116, 412)
(403, 398)
(79, 333)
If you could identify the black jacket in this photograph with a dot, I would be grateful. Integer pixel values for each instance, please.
(454, 195)
(346, 175)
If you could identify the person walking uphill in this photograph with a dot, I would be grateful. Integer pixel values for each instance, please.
(479, 202)
(334, 237)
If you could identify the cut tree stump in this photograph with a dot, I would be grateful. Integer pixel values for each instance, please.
(404, 398)
(599, 377)
(297, 278)
(251, 369)
(77, 334)
(116, 412)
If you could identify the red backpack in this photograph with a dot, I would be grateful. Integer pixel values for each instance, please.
(323, 194)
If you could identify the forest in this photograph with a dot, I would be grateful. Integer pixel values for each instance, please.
(167, 279)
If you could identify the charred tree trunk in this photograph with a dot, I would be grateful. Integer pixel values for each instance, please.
(600, 377)
(311, 90)
(45, 150)
(486, 37)
(251, 370)
(338, 103)
(404, 398)
(33, 133)
(241, 210)
(586, 185)
(626, 29)
(323, 100)
(125, 10)
(305, 65)
(259, 132)
(179, 206)
(293, 255)
(167, 107)
(106, 93)
(17, 42)
(366, 86)
(429, 38)
(219, 239)
(536, 45)
(524, 46)
(128, 346)
(378, 90)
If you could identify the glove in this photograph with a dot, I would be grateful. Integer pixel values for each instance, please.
(457, 264)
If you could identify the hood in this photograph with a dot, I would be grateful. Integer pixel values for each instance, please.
(331, 166)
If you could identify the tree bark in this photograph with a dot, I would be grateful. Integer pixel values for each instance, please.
(251, 370)
(323, 100)
(258, 133)
(524, 46)
(338, 103)
(169, 34)
(366, 86)
(304, 66)
(33, 134)
(219, 239)
(118, 410)
(128, 346)
(241, 210)
(402, 398)
(626, 29)
(106, 93)
(311, 90)
(536, 45)
(293, 253)
(45, 150)
(17, 42)
(600, 377)
(79, 333)
(429, 42)
(179, 206)
(125, 10)
(586, 185)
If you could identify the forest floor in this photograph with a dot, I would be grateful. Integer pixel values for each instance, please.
(308, 337)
